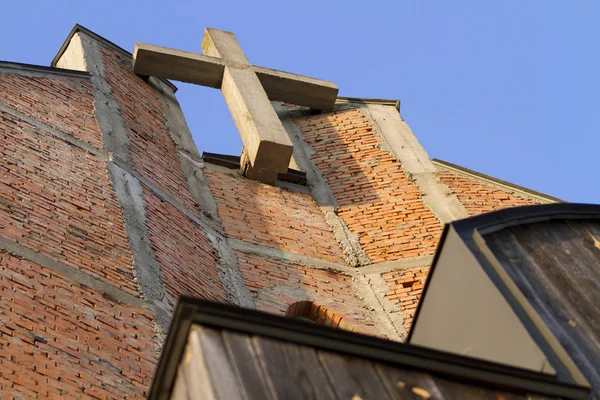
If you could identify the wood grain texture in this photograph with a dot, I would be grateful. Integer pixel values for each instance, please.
(223, 379)
(556, 266)
(194, 371)
(246, 366)
(221, 364)
(352, 376)
(294, 371)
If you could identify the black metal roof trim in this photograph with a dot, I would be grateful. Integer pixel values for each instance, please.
(191, 311)
(80, 28)
(501, 219)
(233, 162)
(497, 220)
(365, 100)
(16, 67)
(497, 181)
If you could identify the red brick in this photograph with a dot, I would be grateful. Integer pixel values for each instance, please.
(479, 197)
(152, 151)
(58, 199)
(75, 358)
(65, 104)
(335, 297)
(403, 285)
(377, 199)
(186, 257)
(272, 216)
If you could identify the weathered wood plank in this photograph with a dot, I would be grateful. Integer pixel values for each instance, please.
(180, 390)
(223, 379)
(183, 66)
(351, 376)
(247, 366)
(294, 371)
(409, 384)
(556, 266)
(195, 371)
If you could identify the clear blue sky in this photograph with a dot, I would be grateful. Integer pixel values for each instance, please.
(507, 88)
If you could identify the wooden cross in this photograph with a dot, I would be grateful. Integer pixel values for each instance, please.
(247, 90)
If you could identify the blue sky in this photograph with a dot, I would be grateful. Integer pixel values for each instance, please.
(507, 88)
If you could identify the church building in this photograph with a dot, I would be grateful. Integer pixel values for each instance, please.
(331, 216)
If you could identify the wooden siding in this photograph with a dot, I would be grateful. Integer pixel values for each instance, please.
(228, 365)
(556, 265)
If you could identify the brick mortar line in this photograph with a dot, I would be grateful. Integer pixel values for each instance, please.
(378, 307)
(401, 144)
(128, 189)
(53, 131)
(112, 292)
(397, 265)
(495, 184)
(321, 192)
(275, 253)
(230, 273)
(112, 158)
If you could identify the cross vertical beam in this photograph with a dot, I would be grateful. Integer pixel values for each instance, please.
(267, 147)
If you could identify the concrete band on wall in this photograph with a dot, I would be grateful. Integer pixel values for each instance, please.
(83, 53)
(127, 182)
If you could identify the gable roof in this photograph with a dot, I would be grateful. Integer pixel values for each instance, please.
(79, 28)
(544, 198)
(32, 69)
(293, 332)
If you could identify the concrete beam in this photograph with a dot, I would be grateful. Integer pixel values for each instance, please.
(397, 265)
(397, 139)
(183, 66)
(206, 70)
(278, 254)
(297, 89)
(267, 148)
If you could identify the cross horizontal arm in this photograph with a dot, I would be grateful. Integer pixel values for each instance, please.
(297, 89)
(204, 70)
(178, 65)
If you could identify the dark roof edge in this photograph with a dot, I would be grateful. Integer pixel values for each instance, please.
(384, 102)
(465, 369)
(496, 181)
(15, 66)
(497, 220)
(79, 28)
(502, 219)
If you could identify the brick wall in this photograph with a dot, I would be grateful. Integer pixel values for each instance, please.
(59, 339)
(152, 151)
(187, 260)
(479, 197)
(405, 289)
(63, 104)
(317, 313)
(277, 285)
(272, 216)
(377, 200)
(57, 199)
